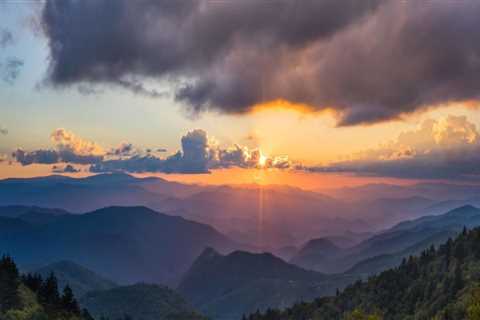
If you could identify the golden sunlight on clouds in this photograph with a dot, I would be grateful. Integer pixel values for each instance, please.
(281, 104)
(65, 139)
(280, 127)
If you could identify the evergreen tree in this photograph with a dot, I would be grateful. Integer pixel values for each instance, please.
(458, 280)
(460, 252)
(68, 301)
(48, 294)
(33, 281)
(9, 282)
(420, 288)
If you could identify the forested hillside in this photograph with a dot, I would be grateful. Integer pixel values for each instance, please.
(139, 302)
(29, 297)
(441, 283)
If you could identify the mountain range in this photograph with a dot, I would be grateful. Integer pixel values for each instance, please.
(439, 283)
(80, 279)
(125, 244)
(401, 240)
(255, 214)
(318, 243)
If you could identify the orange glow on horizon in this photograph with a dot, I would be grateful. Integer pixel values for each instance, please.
(231, 176)
(299, 179)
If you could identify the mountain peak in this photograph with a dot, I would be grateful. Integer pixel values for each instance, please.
(208, 253)
(319, 244)
(466, 209)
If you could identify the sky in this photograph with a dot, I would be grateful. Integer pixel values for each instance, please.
(304, 93)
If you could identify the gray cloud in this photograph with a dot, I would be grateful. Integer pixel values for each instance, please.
(199, 154)
(124, 149)
(370, 60)
(10, 69)
(193, 158)
(37, 156)
(47, 156)
(3, 131)
(68, 148)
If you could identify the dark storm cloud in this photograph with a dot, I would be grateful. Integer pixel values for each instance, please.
(370, 60)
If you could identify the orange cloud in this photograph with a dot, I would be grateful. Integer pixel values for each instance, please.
(281, 104)
(67, 140)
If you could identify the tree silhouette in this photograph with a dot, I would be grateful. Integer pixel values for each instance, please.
(9, 282)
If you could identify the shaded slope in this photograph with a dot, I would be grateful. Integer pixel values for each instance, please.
(225, 287)
(140, 301)
(81, 280)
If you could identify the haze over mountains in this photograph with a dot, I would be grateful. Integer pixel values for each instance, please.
(127, 244)
(80, 279)
(387, 247)
(267, 217)
(226, 250)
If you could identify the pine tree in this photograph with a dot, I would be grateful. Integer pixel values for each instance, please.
(458, 280)
(33, 281)
(9, 282)
(68, 301)
(48, 294)
(460, 252)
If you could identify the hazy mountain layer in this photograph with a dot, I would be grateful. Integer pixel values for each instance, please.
(225, 287)
(80, 279)
(125, 244)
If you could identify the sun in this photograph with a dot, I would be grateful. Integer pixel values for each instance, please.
(262, 160)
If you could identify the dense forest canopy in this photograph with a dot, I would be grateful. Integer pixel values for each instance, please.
(441, 283)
